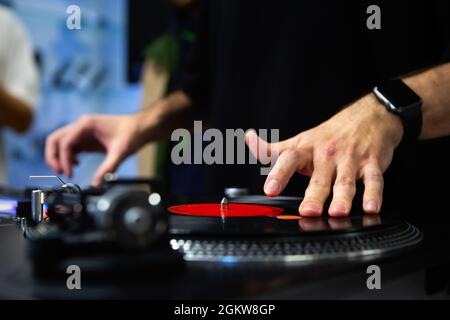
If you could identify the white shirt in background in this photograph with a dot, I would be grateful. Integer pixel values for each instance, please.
(18, 70)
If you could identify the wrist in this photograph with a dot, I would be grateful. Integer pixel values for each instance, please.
(149, 121)
(139, 122)
(399, 99)
(390, 122)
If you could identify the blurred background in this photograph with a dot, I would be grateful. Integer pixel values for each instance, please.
(126, 55)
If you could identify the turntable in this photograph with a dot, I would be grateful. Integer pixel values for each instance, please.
(233, 242)
(120, 219)
(257, 229)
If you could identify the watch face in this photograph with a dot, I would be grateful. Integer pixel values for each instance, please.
(399, 94)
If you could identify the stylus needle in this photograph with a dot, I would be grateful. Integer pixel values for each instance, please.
(224, 204)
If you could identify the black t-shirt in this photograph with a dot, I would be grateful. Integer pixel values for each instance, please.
(291, 65)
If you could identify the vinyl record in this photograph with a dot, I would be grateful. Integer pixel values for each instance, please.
(231, 210)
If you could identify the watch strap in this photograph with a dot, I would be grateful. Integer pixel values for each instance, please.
(412, 122)
(401, 100)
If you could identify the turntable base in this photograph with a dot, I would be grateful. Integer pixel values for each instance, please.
(372, 243)
(254, 257)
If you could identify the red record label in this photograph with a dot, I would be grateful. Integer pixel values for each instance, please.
(231, 210)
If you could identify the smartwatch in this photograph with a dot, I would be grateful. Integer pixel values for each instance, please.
(401, 100)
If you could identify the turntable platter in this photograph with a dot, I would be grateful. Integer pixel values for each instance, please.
(272, 238)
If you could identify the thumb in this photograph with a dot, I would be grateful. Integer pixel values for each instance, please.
(109, 165)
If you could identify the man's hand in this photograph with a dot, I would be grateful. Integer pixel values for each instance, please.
(357, 143)
(117, 136)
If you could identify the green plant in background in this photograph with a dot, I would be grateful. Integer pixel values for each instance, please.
(189, 36)
(163, 51)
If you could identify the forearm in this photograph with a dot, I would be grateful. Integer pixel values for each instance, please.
(433, 86)
(160, 120)
(14, 113)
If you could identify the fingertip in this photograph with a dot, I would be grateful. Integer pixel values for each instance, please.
(66, 167)
(272, 188)
(98, 177)
(310, 209)
(338, 209)
(66, 170)
(249, 135)
(250, 131)
(54, 166)
(371, 207)
(96, 181)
